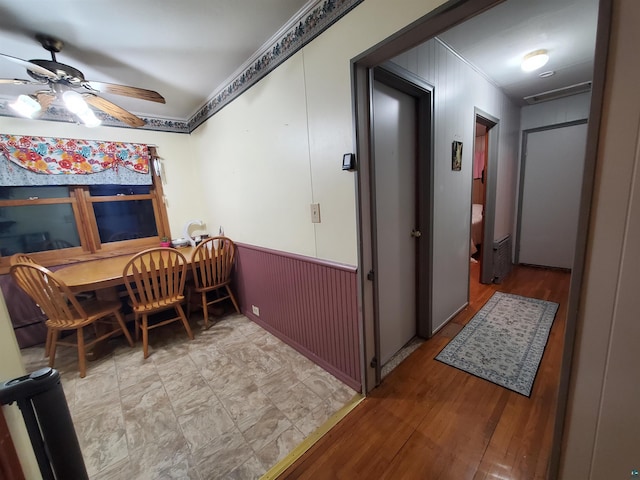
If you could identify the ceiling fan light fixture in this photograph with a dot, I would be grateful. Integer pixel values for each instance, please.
(74, 102)
(76, 105)
(65, 82)
(26, 105)
(534, 60)
(89, 118)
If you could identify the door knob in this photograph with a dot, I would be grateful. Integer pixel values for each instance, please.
(416, 233)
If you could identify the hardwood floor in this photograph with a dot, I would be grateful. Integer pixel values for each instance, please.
(428, 420)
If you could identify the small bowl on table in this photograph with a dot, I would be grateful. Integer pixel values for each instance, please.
(180, 242)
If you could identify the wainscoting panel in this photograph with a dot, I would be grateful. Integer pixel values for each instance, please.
(309, 304)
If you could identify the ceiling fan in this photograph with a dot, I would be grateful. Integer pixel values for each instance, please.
(68, 84)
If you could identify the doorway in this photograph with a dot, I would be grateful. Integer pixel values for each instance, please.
(435, 22)
(394, 133)
(550, 186)
(400, 196)
(483, 193)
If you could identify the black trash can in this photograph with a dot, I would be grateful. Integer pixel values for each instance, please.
(46, 415)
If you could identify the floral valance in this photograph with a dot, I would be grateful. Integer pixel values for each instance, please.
(64, 156)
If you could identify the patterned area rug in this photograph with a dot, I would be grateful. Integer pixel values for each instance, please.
(504, 341)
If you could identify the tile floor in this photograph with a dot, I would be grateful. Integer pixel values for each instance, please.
(229, 404)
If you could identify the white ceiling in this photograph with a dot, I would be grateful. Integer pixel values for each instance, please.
(187, 50)
(182, 49)
(496, 41)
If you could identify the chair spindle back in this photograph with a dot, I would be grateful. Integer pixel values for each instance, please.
(155, 275)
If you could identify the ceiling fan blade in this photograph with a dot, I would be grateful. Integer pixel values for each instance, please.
(31, 66)
(45, 99)
(134, 92)
(18, 81)
(113, 110)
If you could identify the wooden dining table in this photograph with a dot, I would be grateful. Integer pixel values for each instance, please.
(103, 275)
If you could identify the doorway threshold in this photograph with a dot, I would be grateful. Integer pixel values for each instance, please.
(401, 355)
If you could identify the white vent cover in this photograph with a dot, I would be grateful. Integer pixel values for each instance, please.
(558, 93)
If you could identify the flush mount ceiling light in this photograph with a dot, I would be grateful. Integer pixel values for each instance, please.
(534, 60)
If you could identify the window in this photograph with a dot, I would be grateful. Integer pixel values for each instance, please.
(127, 216)
(63, 224)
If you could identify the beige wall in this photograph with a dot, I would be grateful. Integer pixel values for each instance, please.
(254, 165)
(11, 367)
(181, 188)
(602, 433)
(290, 170)
(269, 154)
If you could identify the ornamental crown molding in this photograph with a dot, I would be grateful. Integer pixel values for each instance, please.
(299, 31)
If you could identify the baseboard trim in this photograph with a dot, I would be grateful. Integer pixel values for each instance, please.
(302, 350)
(279, 468)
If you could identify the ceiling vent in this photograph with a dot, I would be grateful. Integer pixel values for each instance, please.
(558, 93)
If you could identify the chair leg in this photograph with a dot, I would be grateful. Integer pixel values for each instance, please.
(189, 293)
(52, 347)
(136, 327)
(82, 361)
(233, 298)
(184, 320)
(145, 336)
(123, 327)
(205, 309)
(47, 343)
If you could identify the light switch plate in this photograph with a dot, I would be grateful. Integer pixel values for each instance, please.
(315, 213)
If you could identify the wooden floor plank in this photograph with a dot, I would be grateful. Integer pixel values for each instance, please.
(429, 420)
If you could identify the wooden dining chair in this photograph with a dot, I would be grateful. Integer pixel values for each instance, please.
(65, 312)
(155, 281)
(20, 258)
(24, 258)
(212, 265)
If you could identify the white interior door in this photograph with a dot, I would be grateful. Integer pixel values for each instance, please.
(551, 195)
(395, 164)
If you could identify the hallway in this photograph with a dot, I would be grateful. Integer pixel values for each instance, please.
(429, 420)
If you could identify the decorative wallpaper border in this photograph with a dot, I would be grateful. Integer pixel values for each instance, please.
(58, 114)
(309, 25)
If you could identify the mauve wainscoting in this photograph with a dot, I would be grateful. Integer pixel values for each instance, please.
(309, 304)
